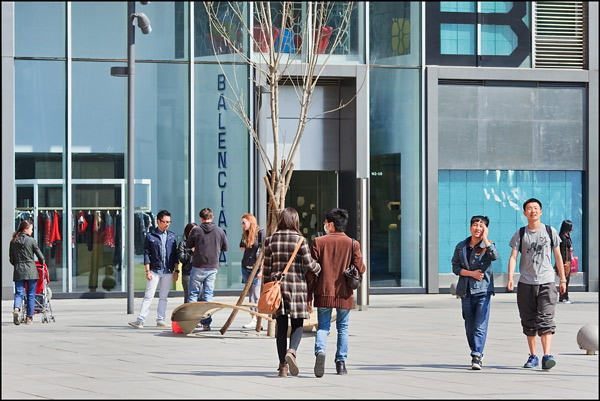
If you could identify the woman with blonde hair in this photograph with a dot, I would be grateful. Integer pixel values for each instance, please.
(294, 292)
(252, 239)
(22, 249)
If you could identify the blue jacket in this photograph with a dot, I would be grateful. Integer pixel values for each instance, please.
(481, 259)
(152, 251)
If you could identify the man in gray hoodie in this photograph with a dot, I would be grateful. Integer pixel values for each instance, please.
(208, 241)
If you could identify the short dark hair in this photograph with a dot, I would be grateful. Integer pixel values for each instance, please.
(206, 213)
(289, 220)
(339, 218)
(162, 214)
(530, 200)
(483, 219)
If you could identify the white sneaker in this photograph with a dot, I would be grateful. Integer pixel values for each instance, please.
(250, 325)
(137, 324)
(161, 324)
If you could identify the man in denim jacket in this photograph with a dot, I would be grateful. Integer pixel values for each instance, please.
(161, 262)
(472, 262)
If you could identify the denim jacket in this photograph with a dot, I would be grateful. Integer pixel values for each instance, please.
(481, 259)
(152, 251)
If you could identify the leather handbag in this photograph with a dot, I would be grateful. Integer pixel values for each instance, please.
(351, 274)
(270, 296)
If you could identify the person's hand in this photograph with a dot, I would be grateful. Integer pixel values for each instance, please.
(175, 276)
(562, 288)
(510, 285)
(148, 275)
(486, 232)
(477, 275)
(259, 274)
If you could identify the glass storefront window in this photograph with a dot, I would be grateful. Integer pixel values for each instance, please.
(169, 37)
(99, 29)
(99, 108)
(40, 29)
(221, 159)
(396, 240)
(394, 33)
(39, 123)
(237, 34)
(499, 194)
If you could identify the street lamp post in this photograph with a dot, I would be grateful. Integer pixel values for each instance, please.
(129, 72)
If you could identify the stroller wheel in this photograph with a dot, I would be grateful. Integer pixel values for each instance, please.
(53, 319)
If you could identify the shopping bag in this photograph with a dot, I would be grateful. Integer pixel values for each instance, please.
(574, 263)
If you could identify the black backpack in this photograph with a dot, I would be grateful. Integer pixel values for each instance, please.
(548, 230)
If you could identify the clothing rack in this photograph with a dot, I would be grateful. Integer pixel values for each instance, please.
(97, 208)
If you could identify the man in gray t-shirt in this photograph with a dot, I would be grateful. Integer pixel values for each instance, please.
(535, 265)
(536, 292)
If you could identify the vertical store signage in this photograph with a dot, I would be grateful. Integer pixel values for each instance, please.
(222, 157)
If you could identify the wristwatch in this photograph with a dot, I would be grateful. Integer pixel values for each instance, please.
(563, 281)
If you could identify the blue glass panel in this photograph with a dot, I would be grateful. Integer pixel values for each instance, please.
(502, 195)
(99, 29)
(99, 109)
(457, 6)
(221, 161)
(395, 134)
(161, 126)
(457, 39)
(40, 109)
(500, 7)
(40, 28)
(169, 37)
(497, 40)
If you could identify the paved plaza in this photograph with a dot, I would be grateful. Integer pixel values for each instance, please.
(403, 346)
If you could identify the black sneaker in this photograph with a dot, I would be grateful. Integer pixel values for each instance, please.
(320, 364)
(476, 363)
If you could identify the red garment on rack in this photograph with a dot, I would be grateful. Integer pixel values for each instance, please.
(81, 223)
(58, 254)
(47, 231)
(55, 231)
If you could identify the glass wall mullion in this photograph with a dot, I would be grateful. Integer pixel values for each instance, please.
(67, 164)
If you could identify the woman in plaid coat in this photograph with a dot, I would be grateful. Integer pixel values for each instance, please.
(294, 298)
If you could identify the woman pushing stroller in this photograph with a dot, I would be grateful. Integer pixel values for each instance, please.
(22, 249)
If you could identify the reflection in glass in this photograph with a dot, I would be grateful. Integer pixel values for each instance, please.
(311, 193)
(395, 178)
(394, 32)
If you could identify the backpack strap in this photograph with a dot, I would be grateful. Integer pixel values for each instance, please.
(549, 231)
(521, 233)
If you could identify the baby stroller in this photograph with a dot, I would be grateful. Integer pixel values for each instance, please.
(43, 294)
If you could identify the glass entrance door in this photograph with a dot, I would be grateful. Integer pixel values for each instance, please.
(311, 193)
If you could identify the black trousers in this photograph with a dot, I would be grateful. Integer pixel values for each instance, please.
(295, 336)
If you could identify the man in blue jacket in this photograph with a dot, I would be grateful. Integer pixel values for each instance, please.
(472, 262)
(161, 262)
(208, 241)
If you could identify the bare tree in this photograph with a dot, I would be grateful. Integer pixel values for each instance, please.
(285, 35)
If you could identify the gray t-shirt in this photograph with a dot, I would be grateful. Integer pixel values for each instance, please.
(536, 255)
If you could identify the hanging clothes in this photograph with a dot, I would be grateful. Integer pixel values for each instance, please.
(47, 230)
(117, 255)
(55, 236)
(109, 236)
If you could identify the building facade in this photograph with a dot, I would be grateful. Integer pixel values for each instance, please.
(461, 108)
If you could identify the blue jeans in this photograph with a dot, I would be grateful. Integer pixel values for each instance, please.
(20, 292)
(341, 324)
(206, 279)
(476, 312)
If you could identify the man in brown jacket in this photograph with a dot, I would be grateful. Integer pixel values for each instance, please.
(334, 252)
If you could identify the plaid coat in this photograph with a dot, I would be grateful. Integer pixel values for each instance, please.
(278, 249)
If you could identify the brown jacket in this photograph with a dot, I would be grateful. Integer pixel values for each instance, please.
(294, 293)
(332, 251)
